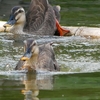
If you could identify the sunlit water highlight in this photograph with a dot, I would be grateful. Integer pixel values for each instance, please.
(74, 54)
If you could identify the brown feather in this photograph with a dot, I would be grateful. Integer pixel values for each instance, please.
(36, 14)
(44, 60)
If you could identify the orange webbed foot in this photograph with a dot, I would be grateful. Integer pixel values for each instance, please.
(61, 30)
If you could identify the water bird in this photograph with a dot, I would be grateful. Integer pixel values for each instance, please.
(40, 19)
(38, 57)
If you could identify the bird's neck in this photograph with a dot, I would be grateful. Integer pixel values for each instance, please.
(33, 62)
(18, 28)
(34, 59)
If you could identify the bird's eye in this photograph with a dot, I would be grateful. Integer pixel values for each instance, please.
(20, 11)
(32, 52)
(34, 44)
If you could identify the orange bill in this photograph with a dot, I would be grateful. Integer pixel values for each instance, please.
(24, 58)
(61, 30)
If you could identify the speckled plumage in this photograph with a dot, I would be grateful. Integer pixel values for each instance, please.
(42, 57)
(39, 19)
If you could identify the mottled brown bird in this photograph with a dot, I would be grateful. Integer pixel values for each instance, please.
(41, 19)
(36, 57)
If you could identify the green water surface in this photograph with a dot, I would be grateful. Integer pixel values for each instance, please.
(77, 56)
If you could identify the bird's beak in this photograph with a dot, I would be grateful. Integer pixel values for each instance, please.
(26, 56)
(10, 22)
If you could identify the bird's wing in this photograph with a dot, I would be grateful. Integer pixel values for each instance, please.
(36, 14)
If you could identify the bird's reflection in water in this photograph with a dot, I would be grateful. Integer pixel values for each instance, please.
(33, 83)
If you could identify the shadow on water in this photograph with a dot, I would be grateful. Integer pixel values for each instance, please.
(79, 86)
